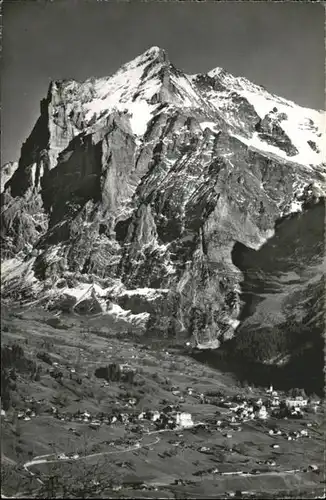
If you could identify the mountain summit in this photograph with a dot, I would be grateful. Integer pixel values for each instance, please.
(132, 191)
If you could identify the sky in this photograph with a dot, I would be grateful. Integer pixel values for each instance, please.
(276, 44)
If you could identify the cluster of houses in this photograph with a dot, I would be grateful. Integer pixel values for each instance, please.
(168, 418)
(31, 411)
(94, 421)
(290, 436)
(243, 409)
(240, 408)
(250, 408)
(26, 414)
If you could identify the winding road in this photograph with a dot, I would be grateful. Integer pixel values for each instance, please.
(57, 457)
(46, 459)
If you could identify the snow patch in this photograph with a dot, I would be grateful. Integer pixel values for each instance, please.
(149, 293)
(85, 291)
(234, 323)
(170, 269)
(190, 98)
(211, 344)
(52, 254)
(12, 269)
(211, 125)
(137, 319)
(141, 114)
(257, 143)
(296, 206)
(80, 292)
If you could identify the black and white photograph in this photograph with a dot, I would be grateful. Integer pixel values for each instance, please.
(163, 186)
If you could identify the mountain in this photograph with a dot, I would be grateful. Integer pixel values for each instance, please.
(134, 192)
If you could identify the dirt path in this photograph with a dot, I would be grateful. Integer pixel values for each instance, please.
(269, 473)
(43, 459)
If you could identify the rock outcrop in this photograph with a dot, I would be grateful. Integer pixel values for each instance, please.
(146, 180)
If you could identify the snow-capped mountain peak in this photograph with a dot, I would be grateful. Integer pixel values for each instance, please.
(132, 88)
(140, 88)
(146, 179)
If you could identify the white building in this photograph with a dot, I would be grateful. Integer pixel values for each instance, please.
(296, 402)
(184, 420)
(155, 416)
(262, 413)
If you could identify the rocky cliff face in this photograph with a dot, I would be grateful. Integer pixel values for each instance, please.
(132, 190)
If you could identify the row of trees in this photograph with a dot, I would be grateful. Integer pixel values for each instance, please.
(114, 373)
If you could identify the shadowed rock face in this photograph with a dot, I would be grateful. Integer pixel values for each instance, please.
(145, 181)
(280, 337)
(292, 259)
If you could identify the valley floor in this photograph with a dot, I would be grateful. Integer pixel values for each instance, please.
(68, 433)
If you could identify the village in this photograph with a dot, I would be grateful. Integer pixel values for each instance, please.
(234, 411)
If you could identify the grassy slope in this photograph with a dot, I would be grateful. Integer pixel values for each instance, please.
(85, 344)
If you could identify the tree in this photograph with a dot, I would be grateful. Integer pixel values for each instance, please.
(296, 392)
(78, 478)
(313, 397)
